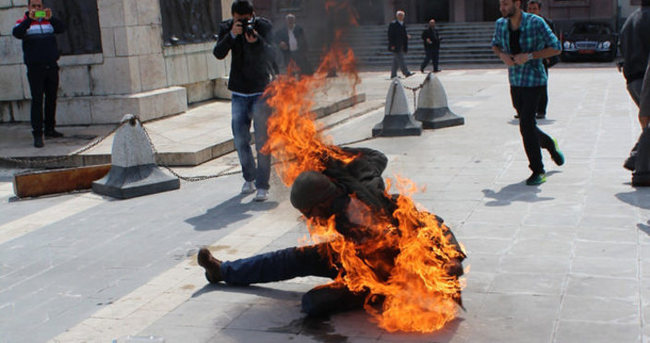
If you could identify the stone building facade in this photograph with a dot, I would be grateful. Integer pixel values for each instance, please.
(133, 72)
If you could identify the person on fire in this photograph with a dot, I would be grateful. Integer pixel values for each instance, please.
(350, 194)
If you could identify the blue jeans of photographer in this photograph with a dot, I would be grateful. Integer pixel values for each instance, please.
(247, 108)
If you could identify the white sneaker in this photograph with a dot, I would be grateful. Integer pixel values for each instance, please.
(248, 187)
(262, 195)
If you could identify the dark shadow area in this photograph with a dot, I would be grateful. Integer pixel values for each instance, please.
(644, 227)
(516, 192)
(262, 291)
(640, 198)
(540, 122)
(229, 212)
(444, 335)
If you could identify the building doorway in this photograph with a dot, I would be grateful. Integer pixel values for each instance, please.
(371, 12)
(436, 9)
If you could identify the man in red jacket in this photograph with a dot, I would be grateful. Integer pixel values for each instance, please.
(40, 53)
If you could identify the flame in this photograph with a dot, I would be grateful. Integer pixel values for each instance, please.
(402, 263)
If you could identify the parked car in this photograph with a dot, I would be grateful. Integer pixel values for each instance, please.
(589, 41)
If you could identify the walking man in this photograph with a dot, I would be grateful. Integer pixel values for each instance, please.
(431, 40)
(293, 44)
(398, 44)
(40, 53)
(249, 39)
(522, 40)
(535, 7)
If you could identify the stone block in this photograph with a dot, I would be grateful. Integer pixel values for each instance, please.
(12, 51)
(153, 73)
(197, 67)
(8, 18)
(11, 83)
(20, 3)
(73, 111)
(177, 72)
(117, 75)
(111, 13)
(79, 60)
(215, 67)
(6, 115)
(27, 93)
(221, 90)
(108, 41)
(138, 40)
(131, 11)
(111, 109)
(5, 3)
(74, 81)
(149, 12)
(165, 102)
(147, 105)
(21, 110)
(200, 91)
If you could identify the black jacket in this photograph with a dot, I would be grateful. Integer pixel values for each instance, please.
(635, 44)
(39, 43)
(431, 33)
(397, 37)
(298, 32)
(251, 66)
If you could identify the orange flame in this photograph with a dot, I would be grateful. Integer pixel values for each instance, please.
(403, 259)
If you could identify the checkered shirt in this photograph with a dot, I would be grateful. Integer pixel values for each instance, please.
(535, 35)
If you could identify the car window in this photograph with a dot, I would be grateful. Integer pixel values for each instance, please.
(589, 28)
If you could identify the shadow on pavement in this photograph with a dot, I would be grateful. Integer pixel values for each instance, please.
(639, 198)
(261, 291)
(515, 192)
(644, 227)
(229, 212)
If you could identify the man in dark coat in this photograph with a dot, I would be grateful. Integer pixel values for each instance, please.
(635, 48)
(41, 53)
(292, 42)
(431, 40)
(349, 192)
(398, 44)
(535, 7)
(641, 175)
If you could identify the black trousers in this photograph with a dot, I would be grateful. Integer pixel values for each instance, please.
(301, 61)
(543, 98)
(43, 84)
(525, 100)
(431, 54)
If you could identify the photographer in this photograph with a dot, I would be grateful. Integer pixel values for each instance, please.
(40, 53)
(251, 69)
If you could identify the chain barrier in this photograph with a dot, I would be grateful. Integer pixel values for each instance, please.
(415, 89)
(35, 161)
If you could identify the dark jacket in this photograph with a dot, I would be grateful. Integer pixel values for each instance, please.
(39, 43)
(298, 32)
(397, 37)
(431, 33)
(251, 66)
(635, 44)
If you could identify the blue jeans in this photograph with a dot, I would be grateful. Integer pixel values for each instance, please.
(245, 110)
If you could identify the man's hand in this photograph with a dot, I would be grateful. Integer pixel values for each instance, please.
(251, 38)
(32, 14)
(283, 46)
(507, 59)
(520, 58)
(408, 36)
(429, 41)
(237, 28)
(48, 14)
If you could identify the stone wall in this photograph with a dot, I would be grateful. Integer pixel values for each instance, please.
(133, 74)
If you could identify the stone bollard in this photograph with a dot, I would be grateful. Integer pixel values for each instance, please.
(398, 120)
(432, 110)
(133, 171)
(641, 174)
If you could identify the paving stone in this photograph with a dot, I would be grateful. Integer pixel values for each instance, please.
(589, 286)
(596, 332)
(542, 247)
(591, 309)
(605, 249)
(535, 264)
(607, 267)
(517, 283)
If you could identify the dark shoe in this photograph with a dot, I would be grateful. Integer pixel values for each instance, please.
(536, 179)
(409, 74)
(53, 134)
(38, 142)
(437, 70)
(422, 70)
(516, 116)
(630, 163)
(540, 115)
(211, 265)
(556, 154)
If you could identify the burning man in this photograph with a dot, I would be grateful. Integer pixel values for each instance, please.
(352, 198)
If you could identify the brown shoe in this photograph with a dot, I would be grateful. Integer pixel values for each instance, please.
(211, 265)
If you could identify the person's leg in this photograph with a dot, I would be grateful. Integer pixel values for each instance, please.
(279, 265)
(525, 100)
(402, 64)
(435, 58)
(393, 69)
(427, 58)
(51, 88)
(241, 126)
(261, 114)
(634, 88)
(36, 78)
(305, 65)
(543, 100)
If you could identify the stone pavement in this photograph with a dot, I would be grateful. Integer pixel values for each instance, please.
(568, 261)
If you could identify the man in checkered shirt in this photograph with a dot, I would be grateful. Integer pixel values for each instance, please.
(522, 40)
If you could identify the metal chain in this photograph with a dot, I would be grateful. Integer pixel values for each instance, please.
(31, 161)
(415, 89)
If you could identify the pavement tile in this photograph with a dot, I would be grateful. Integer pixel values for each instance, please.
(518, 283)
(484, 230)
(534, 264)
(566, 233)
(482, 262)
(606, 267)
(486, 245)
(542, 247)
(590, 286)
(276, 317)
(596, 332)
(478, 281)
(591, 309)
(605, 234)
(605, 249)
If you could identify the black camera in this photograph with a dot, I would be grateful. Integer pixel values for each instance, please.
(248, 25)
